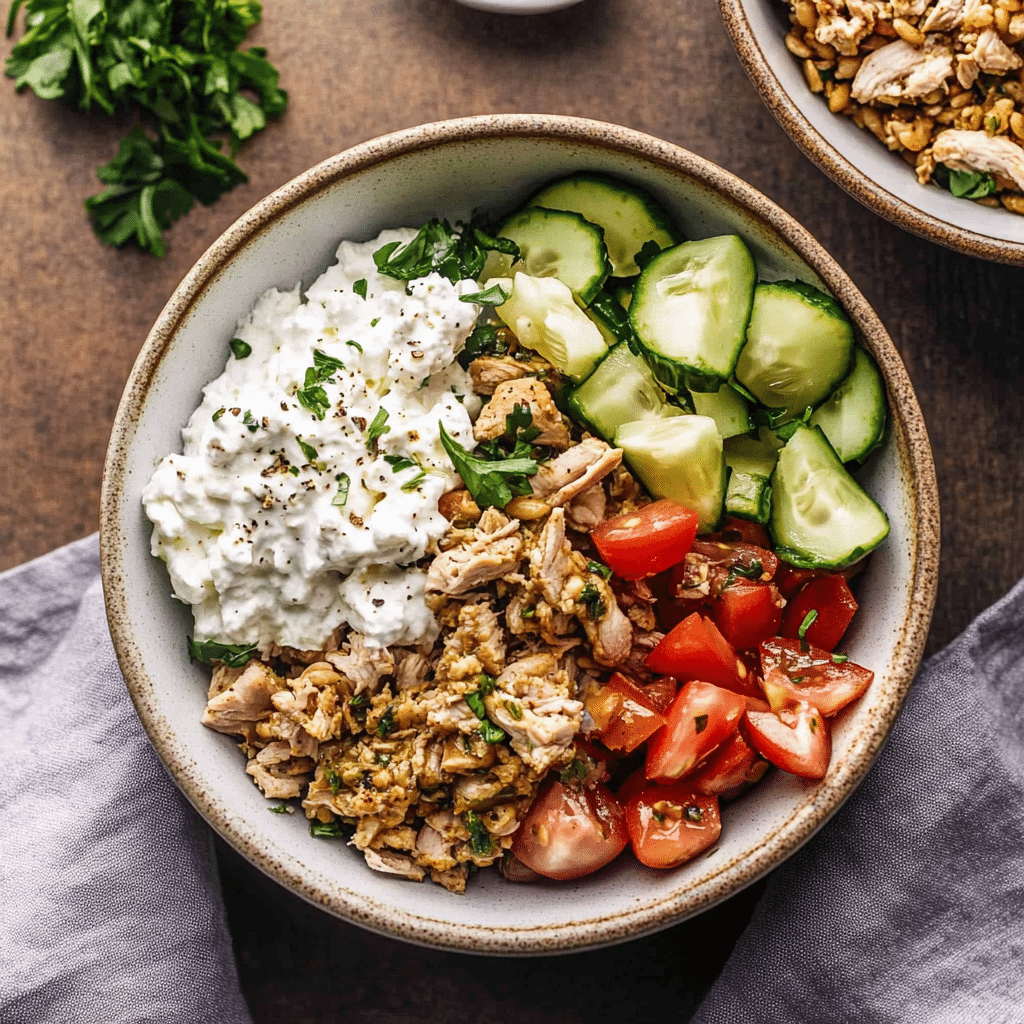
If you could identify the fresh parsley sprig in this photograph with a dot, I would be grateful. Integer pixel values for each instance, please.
(209, 651)
(177, 65)
(491, 483)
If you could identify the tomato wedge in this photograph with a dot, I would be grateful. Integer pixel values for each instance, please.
(795, 739)
(834, 606)
(701, 717)
(624, 714)
(746, 531)
(747, 613)
(793, 671)
(646, 541)
(669, 825)
(695, 649)
(569, 833)
(732, 766)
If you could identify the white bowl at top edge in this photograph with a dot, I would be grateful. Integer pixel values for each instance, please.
(854, 158)
(450, 169)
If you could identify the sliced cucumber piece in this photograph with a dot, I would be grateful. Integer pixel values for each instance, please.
(544, 316)
(620, 390)
(690, 309)
(679, 458)
(853, 419)
(821, 517)
(799, 346)
(628, 215)
(554, 243)
(727, 407)
(749, 492)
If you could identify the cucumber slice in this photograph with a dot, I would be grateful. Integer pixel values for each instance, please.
(628, 216)
(749, 492)
(821, 517)
(690, 309)
(554, 243)
(727, 407)
(853, 419)
(544, 316)
(620, 390)
(679, 458)
(799, 346)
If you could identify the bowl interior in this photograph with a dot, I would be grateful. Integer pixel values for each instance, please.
(490, 164)
(853, 157)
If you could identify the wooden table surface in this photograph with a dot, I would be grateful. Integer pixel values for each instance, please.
(74, 314)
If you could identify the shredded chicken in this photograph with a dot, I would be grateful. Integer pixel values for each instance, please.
(493, 553)
(844, 23)
(978, 151)
(899, 71)
(575, 471)
(528, 392)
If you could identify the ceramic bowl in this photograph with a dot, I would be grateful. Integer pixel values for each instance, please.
(519, 6)
(854, 158)
(450, 169)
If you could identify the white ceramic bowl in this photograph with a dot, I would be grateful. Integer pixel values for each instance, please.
(450, 169)
(854, 158)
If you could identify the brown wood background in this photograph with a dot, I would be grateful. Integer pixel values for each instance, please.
(74, 314)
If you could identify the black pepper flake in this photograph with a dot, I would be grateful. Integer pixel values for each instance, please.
(378, 602)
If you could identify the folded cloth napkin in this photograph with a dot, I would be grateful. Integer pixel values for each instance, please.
(111, 904)
(907, 907)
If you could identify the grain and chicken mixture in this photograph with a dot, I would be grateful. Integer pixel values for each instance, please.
(428, 757)
(941, 82)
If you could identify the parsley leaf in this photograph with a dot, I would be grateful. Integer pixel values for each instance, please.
(377, 429)
(491, 483)
(965, 184)
(178, 66)
(240, 349)
(484, 340)
(209, 651)
(341, 498)
(480, 841)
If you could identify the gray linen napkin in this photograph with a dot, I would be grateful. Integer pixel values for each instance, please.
(909, 905)
(111, 906)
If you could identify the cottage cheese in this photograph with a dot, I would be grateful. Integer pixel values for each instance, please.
(277, 525)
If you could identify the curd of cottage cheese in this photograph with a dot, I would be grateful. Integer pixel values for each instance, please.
(281, 520)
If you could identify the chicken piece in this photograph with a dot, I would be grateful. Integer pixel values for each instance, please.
(977, 151)
(948, 14)
(908, 8)
(411, 668)
(899, 71)
(488, 372)
(362, 666)
(574, 471)
(993, 55)
(277, 773)
(588, 509)
(390, 863)
(494, 552)
(551, 561)
(529, 392)
(245, 702)
(607, 627)
(844, 23)
(478, 638)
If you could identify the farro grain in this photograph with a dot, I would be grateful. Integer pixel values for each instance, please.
(797, 46)
(989, 201)
(965, 99)
(839, 97)
(806, 13)
(1017, 124)
(1002, 19)
(910, 33)
(847, 67)
(1014, 203)
(814, 82)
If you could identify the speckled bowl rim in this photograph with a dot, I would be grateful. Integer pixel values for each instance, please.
(854, 181)
(820, 803)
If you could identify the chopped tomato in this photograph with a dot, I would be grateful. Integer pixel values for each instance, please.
(646, 541)
(747, 613)
(623, 714)
(661, 692)
(793, 671)
(734, 529)
(696, 649)
(830, 598)
(795, 739)
(569, 833)
(740, 560)
(701, 717)
(733, 765)
(669, 825)
(789, 579)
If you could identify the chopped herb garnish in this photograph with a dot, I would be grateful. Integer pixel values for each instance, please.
(484, 340)
(325, 829)
(382, 759)
(574, 772)
(399, 462)
(333, 779)
(476, 704)
(294, 470)
(240, 349)
(493, 296)
(326, 365)
(599, 569)
(490, 733)
(797, 680)
(355, 345)
(209, 651)
(377, 429)
(700, 722)
(308, 450)
(312, 396)
(480, 841)
(386, 722)
(807, 623)
(341, 497)
(375, 321)
(514, 710)
(281, 809)
(694, 813)
(360, 705)
(965, 184)
(220, 412)
(490, 483)
(414, 482)
(528, 613)
(838, 659)
(754, 571)
(360, 287)
(250, 421)
(590, 598)
(456, 253)
(487, 684)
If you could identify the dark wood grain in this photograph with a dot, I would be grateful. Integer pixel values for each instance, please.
(73, 316)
